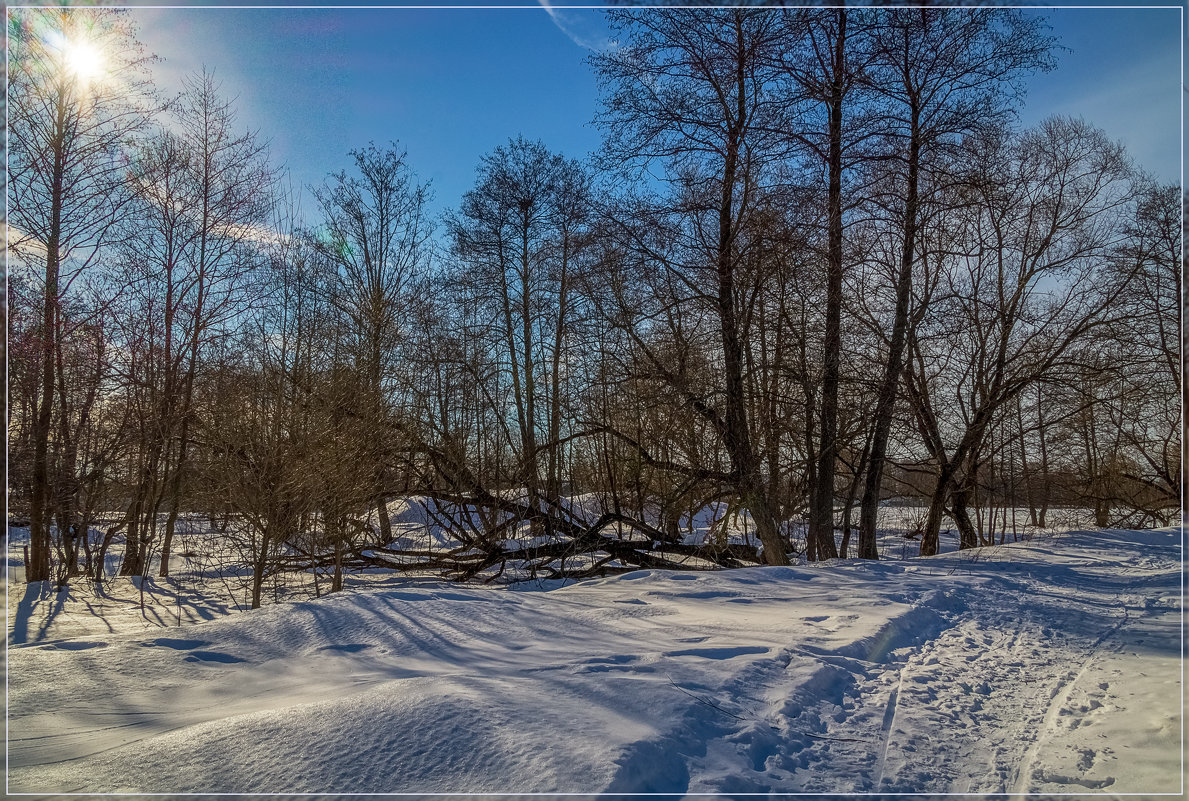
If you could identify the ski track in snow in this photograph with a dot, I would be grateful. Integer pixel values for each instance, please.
(1043, 667)
(885, 730)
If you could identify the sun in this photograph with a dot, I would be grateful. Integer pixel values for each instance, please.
(83, 59)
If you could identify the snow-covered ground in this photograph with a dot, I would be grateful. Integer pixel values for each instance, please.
(1048, 666)
(208, 579)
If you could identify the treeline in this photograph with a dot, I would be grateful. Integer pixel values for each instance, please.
(815, 264)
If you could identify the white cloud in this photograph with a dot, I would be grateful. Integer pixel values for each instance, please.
(585, 27)
(19, 242)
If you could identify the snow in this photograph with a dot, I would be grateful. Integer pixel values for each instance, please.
(1048, 666)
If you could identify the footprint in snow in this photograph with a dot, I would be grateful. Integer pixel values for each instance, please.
(707, 594)
(454, 596)
(612, 663)
(212, 656)
(720, 653)
(617, 659)
(1042, 775)
(177, 645)
(77, 645)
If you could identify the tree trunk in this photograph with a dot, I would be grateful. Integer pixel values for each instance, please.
(885, 405)
(175, 494)
(849, 504)
(735, 433)
(132, 564)
(821, 518)
(1025, 472)
(384, 521)
(38, 568)
(553, 474)
(1046, 485)
(258, 568)
(1102, 512)
(967, 535)
(336, 582)
(532, 476)
(175, 491)
(932, 531)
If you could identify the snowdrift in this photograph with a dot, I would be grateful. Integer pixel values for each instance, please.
(1050, 666)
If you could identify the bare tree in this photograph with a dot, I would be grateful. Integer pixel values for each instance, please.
(1046, 212)
(204, 198)
(521, 231)
(828, 55)
(375, 232)
(1126, 404)
(945, 74)
(78, 93)
(690, 90)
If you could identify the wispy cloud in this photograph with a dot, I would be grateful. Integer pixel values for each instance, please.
(585, 27)
(1138, 104)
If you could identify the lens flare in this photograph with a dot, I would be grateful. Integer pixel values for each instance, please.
(83, 59)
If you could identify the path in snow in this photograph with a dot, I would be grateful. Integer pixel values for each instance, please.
(1037, 673)
(1045, 667)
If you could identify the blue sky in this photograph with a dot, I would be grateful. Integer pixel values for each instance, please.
(1122, 72)
(449, 84)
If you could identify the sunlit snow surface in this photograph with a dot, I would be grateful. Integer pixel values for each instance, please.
(1052, 666)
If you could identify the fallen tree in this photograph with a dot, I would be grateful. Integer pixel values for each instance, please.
(487, 531)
